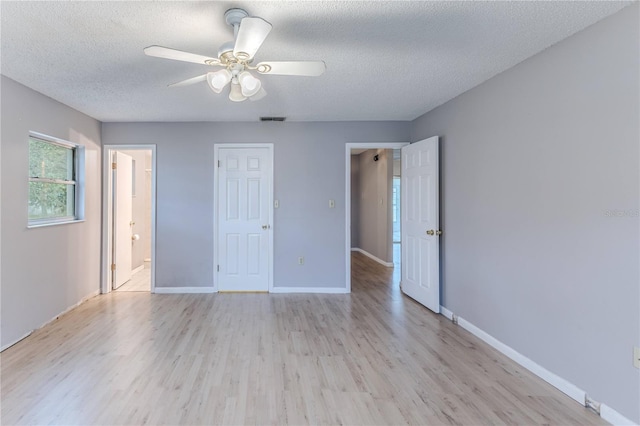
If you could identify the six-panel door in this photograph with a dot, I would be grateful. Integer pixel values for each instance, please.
(420, 223)
(244, 229)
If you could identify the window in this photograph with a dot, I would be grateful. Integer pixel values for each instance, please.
(55, 192)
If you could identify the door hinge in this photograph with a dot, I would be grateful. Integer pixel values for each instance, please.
(218, 268)
(218, 163)
(113, 266)
(114, 166)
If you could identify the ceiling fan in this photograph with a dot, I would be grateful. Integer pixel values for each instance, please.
(236, 57)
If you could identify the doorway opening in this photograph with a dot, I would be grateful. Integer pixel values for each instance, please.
(129, 212)
(373, 204)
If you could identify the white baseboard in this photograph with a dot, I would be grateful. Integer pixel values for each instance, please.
(324, 290)
(369, 255)
(84, 299)
(566, 387)
(180, 290)
(138, 269)
(447, 313)
(8, 345)
(613, 417)
(554, 380)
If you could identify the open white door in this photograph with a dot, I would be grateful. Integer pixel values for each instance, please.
(244, 189)
(421, 222)
(122, 217)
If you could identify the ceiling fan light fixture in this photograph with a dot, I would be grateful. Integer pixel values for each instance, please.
(218, 80)
(261, 94)
(235, 94)
(236, 57)
(248, 84)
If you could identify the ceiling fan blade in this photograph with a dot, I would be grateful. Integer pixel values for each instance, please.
(303, 68)
(251, 35)
(179, 55)
(189, 81)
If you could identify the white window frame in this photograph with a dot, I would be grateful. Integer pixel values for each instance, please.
(78, 182)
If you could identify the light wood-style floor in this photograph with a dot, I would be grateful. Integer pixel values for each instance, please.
(371, 357)
(140, 281)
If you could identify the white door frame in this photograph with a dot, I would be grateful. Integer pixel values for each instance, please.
(347, 192)
(107, 212)
(216, 158)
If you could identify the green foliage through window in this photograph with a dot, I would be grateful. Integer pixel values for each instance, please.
(52, 181)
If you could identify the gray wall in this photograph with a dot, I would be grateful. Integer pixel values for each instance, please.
(44, 270)
(309, 170)
(532, 161)
(355, 201)
(375, 217)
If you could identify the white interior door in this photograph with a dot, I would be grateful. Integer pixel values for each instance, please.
(420, 223)
(244, 219)
(122, 217)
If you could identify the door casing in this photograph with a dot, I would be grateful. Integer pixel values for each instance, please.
(107, 215)
(216, 158)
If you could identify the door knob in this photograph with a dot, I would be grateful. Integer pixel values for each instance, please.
(432, 232)
(266, 226)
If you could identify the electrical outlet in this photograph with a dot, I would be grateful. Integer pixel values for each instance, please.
(636, 357)
(301, 260)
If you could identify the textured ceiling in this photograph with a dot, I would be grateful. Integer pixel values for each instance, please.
(385, 60)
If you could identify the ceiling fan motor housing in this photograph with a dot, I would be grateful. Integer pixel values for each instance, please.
(234, 16)
(225, 49)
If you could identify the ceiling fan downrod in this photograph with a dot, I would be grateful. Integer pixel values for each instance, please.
(233, 17)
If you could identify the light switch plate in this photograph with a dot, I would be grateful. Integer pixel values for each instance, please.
(636, 357)
(276, 204)
(332, 204)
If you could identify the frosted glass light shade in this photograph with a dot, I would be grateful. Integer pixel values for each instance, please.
(236, 93)
(249, 84)
(261, 94)
(218, 80)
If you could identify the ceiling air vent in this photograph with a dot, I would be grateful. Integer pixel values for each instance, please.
(273, 118)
